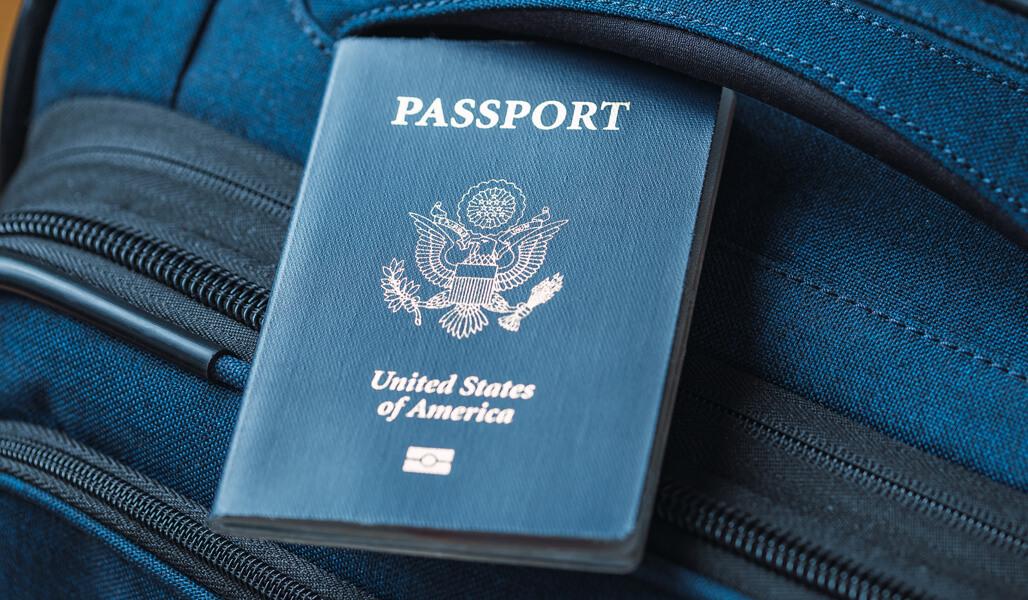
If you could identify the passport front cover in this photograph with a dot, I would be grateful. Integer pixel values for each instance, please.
(472, 345)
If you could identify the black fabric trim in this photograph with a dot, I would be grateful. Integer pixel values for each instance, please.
(195, 187)
(1018, 6)
(797, 466)
(207, 574)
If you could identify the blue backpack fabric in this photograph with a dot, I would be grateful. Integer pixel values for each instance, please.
(866, 262)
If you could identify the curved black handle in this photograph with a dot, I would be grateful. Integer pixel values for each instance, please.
(42, 284)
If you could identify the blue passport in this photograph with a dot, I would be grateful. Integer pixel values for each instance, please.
(473, 341)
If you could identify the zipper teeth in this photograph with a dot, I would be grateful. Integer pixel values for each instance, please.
(746, 536)
(160, 517)
(179, 269)
(246, 303)
(867, 477)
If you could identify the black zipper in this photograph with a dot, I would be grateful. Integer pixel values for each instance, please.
(760, 543)
(849, 468)
(196, 277)
(246, 302)
(157, 516)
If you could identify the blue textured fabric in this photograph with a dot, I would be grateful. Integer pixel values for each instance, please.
(174, 428)
(92, 560)
(148, 414)
(137, 49)
(256, 74)
(684, 584)
(231, 371)
(827, 273)
(906, 315)
(981, 27)
(853, 286)
(257, 65)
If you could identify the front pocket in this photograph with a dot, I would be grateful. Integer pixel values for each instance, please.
(162, 534)
(169, 215)
(796, 489)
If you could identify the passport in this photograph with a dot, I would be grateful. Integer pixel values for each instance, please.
(473, 341)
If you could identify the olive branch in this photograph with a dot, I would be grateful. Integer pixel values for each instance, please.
(400, 291)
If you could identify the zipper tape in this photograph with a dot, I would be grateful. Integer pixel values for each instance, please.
(163, 523)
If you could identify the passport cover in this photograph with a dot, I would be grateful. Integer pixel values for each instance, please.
(472, 344)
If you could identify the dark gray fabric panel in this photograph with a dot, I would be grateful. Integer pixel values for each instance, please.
(141, 292)
(835, 484)
(152, 170)
(270, 553)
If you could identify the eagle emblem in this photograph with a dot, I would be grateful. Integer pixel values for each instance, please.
(485, 251)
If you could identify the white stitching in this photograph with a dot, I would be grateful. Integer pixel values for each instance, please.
(960, 29)
(919, 43)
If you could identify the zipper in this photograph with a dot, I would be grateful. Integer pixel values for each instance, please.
(157, 516)
(733, 530)
(728, 528)
(849, 468)
(758, 542)
(189, 274)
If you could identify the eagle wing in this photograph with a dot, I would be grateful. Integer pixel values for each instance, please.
(430, 252)
(530, 252)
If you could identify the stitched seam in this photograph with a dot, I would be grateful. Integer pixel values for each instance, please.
(994, 188)
(418, 6)
(269, 200)
(194, 46)
(884, 317)
(970, 353)
(412, 6)
(1011, 52)
(980, 46)
(919, 43)
(317, 37)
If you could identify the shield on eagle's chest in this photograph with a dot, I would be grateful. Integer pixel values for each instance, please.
(473, 284)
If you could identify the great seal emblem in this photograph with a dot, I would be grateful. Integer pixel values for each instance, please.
(485, 251)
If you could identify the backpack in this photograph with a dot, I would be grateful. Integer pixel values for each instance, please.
(853, 417)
